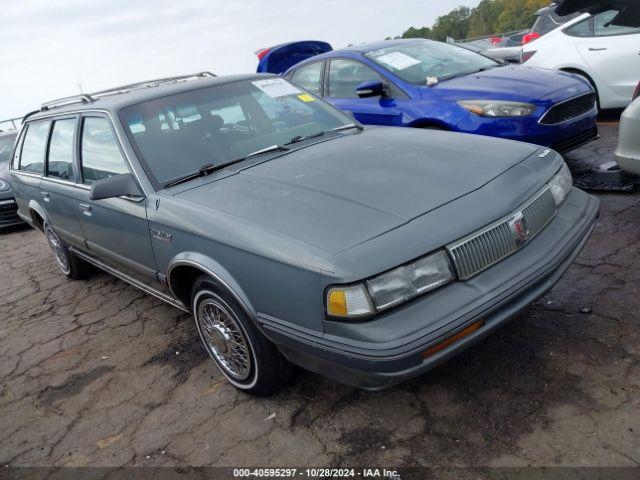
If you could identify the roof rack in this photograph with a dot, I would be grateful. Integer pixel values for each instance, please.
(88, 98)
(63, 102)
(150, 83)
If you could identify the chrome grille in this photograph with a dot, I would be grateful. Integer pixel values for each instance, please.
(484, 248)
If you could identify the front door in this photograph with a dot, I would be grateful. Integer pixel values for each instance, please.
(116, 229)
(344, 77)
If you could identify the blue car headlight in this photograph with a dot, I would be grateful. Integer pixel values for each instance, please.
(497, 108)
(4, 186)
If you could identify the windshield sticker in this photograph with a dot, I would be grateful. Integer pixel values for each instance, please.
(398, 60)
(305, 97)
(276, 87)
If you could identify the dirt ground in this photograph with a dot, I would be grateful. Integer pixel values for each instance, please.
(96, 373)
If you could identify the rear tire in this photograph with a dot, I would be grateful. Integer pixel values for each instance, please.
(69, 264)
(247, 359)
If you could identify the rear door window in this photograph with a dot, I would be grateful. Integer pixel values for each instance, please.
(60, 164)
(100, 153)
(603, 27)
(33, 149)
(308, 77)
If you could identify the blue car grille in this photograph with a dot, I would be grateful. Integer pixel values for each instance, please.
(484, 248)
(570, 109)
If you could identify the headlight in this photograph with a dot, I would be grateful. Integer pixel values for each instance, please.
(391, 288)
(4, 186)
(497, 108)
(408, 281)
(561, 183)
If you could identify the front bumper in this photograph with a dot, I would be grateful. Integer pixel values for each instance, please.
(365, 359)
(562, 137)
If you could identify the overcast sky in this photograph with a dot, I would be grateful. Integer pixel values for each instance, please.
(48, 47)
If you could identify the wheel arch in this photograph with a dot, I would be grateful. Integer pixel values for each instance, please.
(583, 73)
(38, 215)
(430, 122)
(186, 267)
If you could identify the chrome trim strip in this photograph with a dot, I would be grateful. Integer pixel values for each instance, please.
(130, 280)
(594, 109)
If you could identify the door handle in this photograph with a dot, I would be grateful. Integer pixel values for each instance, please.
(45, 196)
(86, 209)
(597, 49)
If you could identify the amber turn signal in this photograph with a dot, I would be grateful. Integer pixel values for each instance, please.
(452, 339)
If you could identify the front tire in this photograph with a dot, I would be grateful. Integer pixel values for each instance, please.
(247, 359)
(70, 265)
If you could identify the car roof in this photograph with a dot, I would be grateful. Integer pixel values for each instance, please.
(363, 48)
(113, 102)
(369, 47)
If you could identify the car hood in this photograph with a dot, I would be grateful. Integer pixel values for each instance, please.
(515, 82)
(340, 192)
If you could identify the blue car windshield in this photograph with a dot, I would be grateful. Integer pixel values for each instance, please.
(179, 134)
(416, 61)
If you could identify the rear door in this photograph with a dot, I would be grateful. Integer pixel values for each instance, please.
(116, 229)
(58, 187)
(341, 80)
(613, 53)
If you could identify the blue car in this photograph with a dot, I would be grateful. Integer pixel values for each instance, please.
(427, 84)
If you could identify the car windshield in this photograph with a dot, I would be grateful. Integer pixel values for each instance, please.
(180, 134)
(6, 147)
(414, 62)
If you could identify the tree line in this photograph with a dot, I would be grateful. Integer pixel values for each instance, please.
(489, 17)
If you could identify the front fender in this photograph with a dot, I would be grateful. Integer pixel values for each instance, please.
(217, 272)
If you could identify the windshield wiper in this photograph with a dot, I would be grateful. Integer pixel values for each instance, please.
(300, 138)
(212, 167)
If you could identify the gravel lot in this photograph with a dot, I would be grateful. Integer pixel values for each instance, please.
(97, 373)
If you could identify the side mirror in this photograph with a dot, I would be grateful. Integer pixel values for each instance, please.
(375, 88)
(123, 185)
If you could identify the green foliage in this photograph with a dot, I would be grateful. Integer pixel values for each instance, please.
(489, 17)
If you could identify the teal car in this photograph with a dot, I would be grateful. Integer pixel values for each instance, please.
(294, 235)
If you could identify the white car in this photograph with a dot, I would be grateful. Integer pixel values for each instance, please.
(628, 152)
(607, 55)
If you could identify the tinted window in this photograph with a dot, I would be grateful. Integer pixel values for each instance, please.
(101, 157)
(581, 29)
(346, 75)
(603, 28)
(415, 61)
(308, 77)
(61, 149)
(6, 147)
(35, 142)
(235, 119)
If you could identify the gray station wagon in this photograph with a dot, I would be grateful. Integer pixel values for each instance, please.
(293, 234)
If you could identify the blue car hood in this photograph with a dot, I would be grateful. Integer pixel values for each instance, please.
(341, 192)
(517, 82)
